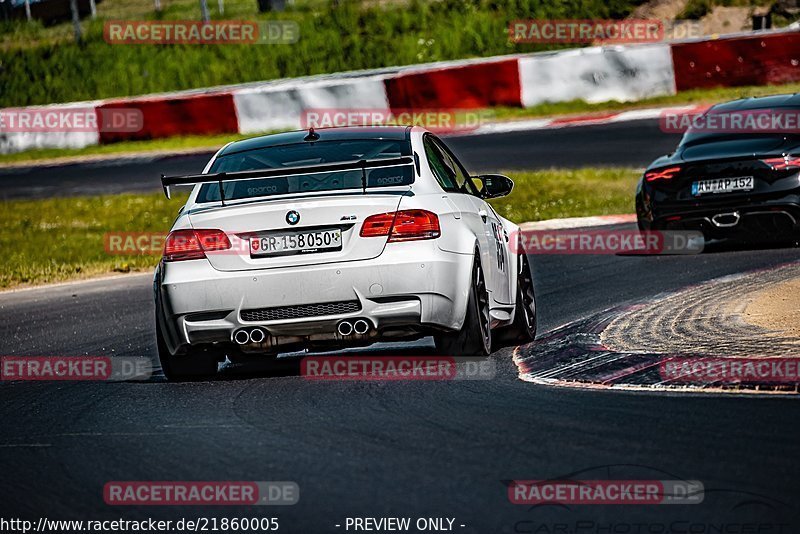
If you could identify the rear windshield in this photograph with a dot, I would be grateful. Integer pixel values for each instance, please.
(692, 138)
(765, 124)
(307, 154)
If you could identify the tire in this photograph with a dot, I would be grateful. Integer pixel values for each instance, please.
(198, 364)
(475, 336)
(523, 329)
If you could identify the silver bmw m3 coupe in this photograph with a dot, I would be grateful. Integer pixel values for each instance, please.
(338, 238)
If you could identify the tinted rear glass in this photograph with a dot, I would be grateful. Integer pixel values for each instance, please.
(720, 146)
(779, 122)
(307, 154)
(309, 183)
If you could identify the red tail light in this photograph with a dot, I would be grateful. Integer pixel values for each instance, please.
(662, 174)
(406, 225)
(193, 244)
(377, 225)
(783, 163)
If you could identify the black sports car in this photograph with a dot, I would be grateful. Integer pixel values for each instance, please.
(730, 179)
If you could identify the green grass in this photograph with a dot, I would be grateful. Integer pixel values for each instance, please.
(556, 193)
(696, 96)
(58, 239)
(63, 238)
(43, 65)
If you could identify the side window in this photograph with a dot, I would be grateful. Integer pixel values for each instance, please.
(462, 179)
(441, 169)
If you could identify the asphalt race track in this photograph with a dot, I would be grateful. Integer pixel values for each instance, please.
(408, 449)
(634, 143)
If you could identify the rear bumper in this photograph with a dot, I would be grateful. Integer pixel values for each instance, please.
(747, 223)
(757, 217)
(411, 286)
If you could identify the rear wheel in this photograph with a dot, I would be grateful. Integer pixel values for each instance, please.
(523, 328)
(475, 336)
(197, 364)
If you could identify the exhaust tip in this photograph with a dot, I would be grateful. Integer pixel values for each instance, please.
(241, 337)
(726, 220)
(257, 335)
(345, 328)
(361, 327)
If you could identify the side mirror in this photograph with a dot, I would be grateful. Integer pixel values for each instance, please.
(493, 185)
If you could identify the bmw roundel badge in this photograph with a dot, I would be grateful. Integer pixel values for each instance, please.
(292, 217)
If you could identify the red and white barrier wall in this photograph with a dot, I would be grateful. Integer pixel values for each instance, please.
(759, 59)
(281, 106)
(597, 74)
(197, 114)
(594, 74)
(481, 84)
(20, 140)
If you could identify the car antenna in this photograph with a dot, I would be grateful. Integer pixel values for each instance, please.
(312, 136)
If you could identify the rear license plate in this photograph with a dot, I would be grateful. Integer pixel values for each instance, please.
(722, 185)
(288, 243)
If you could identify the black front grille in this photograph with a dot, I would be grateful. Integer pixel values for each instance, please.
(299, 312)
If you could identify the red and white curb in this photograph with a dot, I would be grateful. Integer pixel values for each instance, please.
(579, 222)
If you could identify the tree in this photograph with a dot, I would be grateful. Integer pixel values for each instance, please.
(204, 10)
(76, 19)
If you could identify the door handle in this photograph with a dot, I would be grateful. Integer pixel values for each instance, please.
(483, 215)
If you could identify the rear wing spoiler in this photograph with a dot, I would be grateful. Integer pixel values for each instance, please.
(192, 179)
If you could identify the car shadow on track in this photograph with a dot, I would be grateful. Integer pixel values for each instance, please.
(717, 246)
(730, 245)
(383, 362)
(290, 365)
